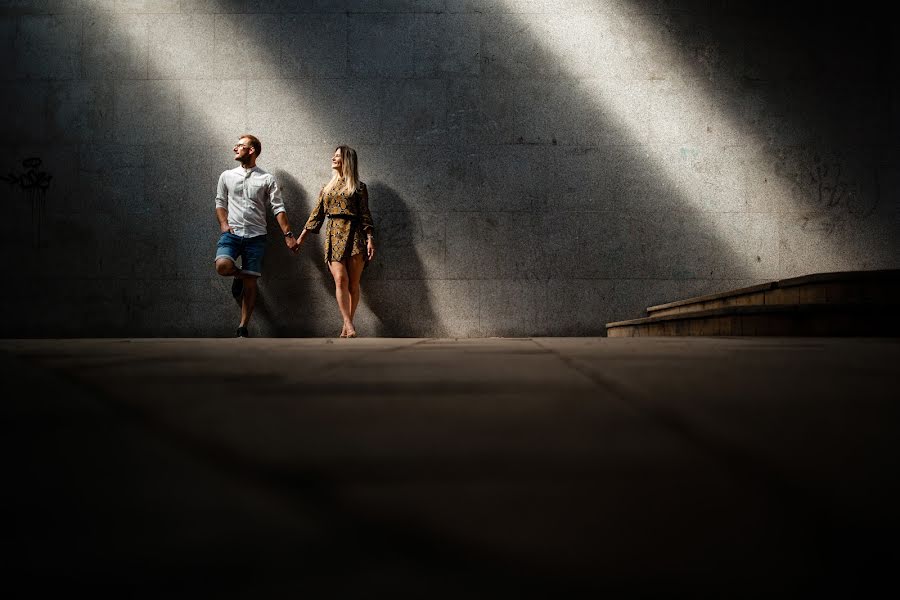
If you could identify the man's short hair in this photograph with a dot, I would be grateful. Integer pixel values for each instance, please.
(254, 141)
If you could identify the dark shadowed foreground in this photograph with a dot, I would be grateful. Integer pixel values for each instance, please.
(429, 468)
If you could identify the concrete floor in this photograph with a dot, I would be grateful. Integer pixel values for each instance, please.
(436, 468)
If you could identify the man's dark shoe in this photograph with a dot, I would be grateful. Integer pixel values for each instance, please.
(237, 288)
(242, 332)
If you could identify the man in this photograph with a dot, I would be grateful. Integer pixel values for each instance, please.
(241, 199)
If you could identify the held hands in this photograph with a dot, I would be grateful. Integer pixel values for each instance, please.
(298, 242)
(293, 243)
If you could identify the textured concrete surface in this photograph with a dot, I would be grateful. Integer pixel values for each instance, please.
(535, 168)
(442, 468)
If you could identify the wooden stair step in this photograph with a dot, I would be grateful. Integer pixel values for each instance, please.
(848, 319)
(841, 287)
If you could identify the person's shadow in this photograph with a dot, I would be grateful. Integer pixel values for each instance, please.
(394, 285)
(282, 305)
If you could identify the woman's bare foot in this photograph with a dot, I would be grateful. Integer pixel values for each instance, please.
(351, 332)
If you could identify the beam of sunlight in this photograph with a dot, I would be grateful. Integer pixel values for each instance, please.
(204, 61)
(679, 122)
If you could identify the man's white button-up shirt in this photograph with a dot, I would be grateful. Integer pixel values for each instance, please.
(244, 193)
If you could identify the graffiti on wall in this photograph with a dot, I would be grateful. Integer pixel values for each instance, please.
(835, 188)
(832, 189)
(838, 190)
(34, 183)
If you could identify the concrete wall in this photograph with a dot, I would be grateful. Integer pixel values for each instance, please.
(536, 167)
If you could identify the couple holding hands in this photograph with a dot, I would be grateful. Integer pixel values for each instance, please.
(241, 199)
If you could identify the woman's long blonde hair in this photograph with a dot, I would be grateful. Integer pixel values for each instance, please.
(348, 172)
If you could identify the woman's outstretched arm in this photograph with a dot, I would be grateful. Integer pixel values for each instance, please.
(316, 218)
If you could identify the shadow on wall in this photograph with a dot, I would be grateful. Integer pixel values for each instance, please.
(817, 88)
(282, 306)
(394, 285)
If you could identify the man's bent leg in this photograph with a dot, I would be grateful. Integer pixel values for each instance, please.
(248, 300)
(226, 267)
(227, 251)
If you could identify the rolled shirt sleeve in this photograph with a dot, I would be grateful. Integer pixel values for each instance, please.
(275, 200)
(221, 193)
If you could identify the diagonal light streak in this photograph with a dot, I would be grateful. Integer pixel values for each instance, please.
(682, 125)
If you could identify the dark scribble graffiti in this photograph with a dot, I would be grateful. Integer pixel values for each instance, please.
(32, 179)
(836, 188)
(35, 184)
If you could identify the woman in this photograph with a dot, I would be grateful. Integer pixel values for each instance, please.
(349, 242)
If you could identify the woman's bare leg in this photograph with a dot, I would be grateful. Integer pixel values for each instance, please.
(354, 270)
(342, 294)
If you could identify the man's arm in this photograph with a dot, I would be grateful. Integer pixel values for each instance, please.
(285, 225)
(281, 216)
(222, 216)
(222, 205)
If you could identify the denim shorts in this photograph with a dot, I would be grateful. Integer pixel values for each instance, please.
(252, 249)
